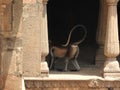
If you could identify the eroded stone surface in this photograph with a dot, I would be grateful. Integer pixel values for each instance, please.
(10, 82)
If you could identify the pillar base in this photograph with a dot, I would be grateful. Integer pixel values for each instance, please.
(44, 69)
(111, 65)
(112, 75)
(111, 68)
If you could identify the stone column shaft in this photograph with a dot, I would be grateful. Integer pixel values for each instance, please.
(101, 33)
(31, 39)
(11, 44)
(111, 49)
(35, 38)
(43, 36)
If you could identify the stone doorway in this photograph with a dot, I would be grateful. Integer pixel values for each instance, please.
(64, 14)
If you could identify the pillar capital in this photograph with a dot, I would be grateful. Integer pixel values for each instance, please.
(112, 2)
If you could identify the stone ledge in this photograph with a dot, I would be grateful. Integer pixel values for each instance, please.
(112, 75)
(93, 83)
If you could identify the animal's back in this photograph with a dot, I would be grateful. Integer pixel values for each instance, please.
(72, 51)
(59, 52)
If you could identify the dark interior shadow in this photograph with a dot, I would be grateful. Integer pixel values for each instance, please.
(63, 15)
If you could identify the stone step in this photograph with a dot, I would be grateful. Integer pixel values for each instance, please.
(71, 82)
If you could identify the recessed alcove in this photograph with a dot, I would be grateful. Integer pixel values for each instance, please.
(64, 14)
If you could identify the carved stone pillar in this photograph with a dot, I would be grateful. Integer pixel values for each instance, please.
(43, 36)
(5, 15)
(101, 33)
(31, 39)
(111, 50)
(11, 45)
(35, 37)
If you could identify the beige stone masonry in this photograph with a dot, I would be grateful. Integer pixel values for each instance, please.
(43, 36)
(35, 36)
(5, 15)
(29, 1)
(31, 42)
(11, 44)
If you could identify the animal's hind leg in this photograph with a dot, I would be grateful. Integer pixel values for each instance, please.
(76, 65)
(74, 60)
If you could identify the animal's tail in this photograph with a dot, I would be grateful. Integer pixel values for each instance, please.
(52, 57)
(69, 37)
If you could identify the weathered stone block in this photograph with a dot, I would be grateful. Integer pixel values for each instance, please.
(31, 41)
(5, 15)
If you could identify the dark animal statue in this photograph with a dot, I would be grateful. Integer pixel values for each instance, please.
(68, 51)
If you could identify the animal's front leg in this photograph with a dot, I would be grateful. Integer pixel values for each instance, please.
(66, 64)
